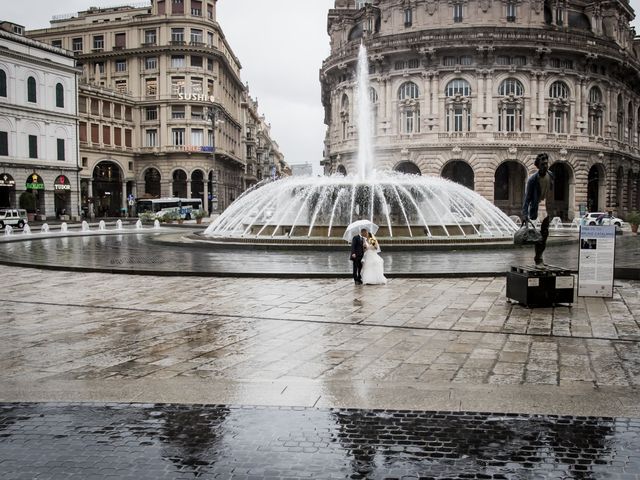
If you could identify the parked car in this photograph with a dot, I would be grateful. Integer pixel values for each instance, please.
(601, 218)
(13, 216)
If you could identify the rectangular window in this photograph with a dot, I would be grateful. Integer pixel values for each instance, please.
(95, 133)
(210, 88)
(196, 61)
(76, 44)
(151, 113)
(457, 13)
(117, 111)
(210, 39)
(399, 65)
(457, 120)
(196, 8)
(151, 63)
(414, 63)
(210, 64)
(98, 67)
(117, 136)
(151, 138)
(466, 60)
(162, 8)
(127, 137)
(60, 145)
(559, 16)
(151, 87)
(127, 114)
(177, 35)
(177, 135)
(121, 86)
(33, 146)
(106, 134)
(197, 113)
(196, 36)
(177, 112)
(121, 65)
(56, 43)
(120, 40)
(177, 6)
(4, 143)
(511, 11)
(82, 128)
(196, 86)
(210, 12)
(177, 85)
(177, 61)
(408, 17)
(449, 61)
(98, 42)
(197, 137)
(510, 119)
(150, 37)
(82, 104)
(106, 109)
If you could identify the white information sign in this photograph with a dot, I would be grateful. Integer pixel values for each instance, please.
(596, 261)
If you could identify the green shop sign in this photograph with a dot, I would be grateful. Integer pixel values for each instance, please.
(35, 182)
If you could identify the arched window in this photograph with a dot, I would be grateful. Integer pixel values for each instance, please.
(458, 105)
(559, 108)
(559, 90)
(31, 90)
(511, 86)
(409, 108)
(3, 83)
(408, 90)
(373, 95)
(344, 116)
(511, 106)
(620, 118)
(630, 122)
(59, 95)
(458, 87)
(596, 112)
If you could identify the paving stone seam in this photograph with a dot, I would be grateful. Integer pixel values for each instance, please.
(248, 406)
(319, 322)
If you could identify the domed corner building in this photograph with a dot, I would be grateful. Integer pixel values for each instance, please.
(473, 90)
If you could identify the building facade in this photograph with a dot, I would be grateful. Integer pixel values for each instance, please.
(160, 104)
(473, 90)
(38, 125)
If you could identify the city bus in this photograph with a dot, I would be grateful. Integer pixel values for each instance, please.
(159, 207)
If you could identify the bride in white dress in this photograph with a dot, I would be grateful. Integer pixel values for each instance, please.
(372, 263)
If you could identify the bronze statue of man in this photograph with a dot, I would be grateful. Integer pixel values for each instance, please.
(539, 189)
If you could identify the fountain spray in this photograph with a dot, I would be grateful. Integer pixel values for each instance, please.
(364, 117)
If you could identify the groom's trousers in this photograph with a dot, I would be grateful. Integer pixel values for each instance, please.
(357, 268)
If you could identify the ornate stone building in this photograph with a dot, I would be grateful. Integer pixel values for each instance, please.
(473, 89)
(161, 103)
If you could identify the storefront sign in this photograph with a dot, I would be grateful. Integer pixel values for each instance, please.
(196, 148)
(197, 97)
(596, 261)
(7, 180)
(35, 182)
(62, 184)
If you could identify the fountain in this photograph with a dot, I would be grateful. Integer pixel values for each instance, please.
(8, 231)
(64, 227)
(102, 226)
(118, 224)
(44, 228)
(85, 226)
(26, 230)
(139, 225)
(156, 224)
(410, 208)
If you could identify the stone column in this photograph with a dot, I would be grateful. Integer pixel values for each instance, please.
(205, 200)
(92, 204)
(541, 96)
(482, 94)
(123, 200)
(188, 188)
(435, 89)
(489, 93)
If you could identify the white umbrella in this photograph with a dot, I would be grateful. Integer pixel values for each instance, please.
(354, 229)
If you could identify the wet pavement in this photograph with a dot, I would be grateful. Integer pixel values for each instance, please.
(52, 441)
(159, 253)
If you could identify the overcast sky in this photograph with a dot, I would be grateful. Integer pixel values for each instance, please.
(281, 45)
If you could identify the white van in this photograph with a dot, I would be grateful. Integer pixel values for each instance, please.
(13, 216)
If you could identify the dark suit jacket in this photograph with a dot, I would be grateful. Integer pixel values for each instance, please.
(357, 246)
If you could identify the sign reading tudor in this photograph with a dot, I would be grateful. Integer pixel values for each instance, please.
(62, 184)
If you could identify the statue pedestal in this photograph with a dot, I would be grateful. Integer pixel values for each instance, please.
(540, 287)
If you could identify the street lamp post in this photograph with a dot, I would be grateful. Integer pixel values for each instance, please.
(213, 113)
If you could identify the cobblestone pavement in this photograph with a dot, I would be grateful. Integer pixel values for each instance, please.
(150, 252)
(52, 441)
(321, 335)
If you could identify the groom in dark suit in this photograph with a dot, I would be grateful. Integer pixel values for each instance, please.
(357, 252)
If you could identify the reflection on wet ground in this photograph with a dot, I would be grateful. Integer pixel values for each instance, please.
(180, 442)
(144, 252)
